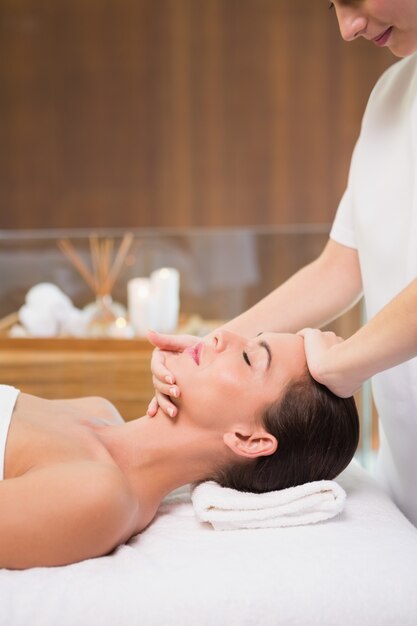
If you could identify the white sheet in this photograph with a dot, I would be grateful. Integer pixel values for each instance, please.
(358, 569)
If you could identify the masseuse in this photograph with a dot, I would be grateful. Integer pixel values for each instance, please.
(372, 249)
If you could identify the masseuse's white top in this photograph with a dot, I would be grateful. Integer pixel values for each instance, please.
(378, 216)
(8, 396)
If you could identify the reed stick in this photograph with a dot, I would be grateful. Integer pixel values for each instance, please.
(119, 260)
(68, 249)
(105, 270)
(8, 321)
(95, 259)
(106, 256)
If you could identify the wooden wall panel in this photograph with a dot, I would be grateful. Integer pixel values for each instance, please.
(176, 112)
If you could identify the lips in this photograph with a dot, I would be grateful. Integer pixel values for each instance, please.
(195, 351)
(383, 37)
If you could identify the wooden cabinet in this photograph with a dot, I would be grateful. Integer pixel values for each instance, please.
(116, 369)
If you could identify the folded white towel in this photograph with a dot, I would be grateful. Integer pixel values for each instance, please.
(48, 312)
(228, 509)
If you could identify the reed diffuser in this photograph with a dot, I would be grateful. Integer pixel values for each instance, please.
(106, 265)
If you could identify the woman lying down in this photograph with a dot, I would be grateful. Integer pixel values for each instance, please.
(78, 481)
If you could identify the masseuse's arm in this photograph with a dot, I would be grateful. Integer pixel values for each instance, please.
(62, 514)
(313, 296)
(319, 292)
(386, 340)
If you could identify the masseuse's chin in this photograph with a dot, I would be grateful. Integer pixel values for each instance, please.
(400, 54)
(402, 51)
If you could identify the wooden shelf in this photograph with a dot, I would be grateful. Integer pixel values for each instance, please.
(116, 369)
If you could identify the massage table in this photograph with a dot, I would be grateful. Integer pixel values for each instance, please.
(357, 569)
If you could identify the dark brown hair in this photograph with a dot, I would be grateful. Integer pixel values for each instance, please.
(317, 435)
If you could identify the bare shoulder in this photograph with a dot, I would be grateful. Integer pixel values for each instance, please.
(64, 513)
(99, 407)
(107, 496)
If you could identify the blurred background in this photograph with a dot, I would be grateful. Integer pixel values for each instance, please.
(176, 113)
(218, 131)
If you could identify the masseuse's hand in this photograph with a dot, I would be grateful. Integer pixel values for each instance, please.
(163, 380)
(323, 352)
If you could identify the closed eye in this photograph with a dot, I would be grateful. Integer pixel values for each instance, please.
(245, 356)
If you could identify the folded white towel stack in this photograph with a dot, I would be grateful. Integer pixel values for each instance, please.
(228, 509)
(48, 312)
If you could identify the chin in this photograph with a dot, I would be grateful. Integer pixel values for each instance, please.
(402, 51)
(400, 54)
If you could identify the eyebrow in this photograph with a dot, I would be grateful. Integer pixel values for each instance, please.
(265, 345)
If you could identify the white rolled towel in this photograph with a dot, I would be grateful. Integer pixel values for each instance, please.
(228, 509)
(49, 312)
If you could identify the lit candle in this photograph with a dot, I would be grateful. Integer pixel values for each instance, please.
(138, 298)
(165, 299)
(120, 329)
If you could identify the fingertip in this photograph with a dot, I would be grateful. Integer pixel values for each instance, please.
(174, 391)
(152, 407)
(152, 336)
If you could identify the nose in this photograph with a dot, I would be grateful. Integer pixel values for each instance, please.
(223, 339)
(352, 22)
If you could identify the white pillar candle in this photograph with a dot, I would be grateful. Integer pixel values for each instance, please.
(165, 299)
(138, 298)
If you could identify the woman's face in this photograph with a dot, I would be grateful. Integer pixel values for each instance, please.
(390, 23)
(228, 379)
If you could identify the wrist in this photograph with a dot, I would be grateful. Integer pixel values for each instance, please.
(339, 371)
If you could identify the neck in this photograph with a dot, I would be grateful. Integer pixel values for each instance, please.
(158, 455)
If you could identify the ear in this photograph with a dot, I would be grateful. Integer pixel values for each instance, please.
(258, 443)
